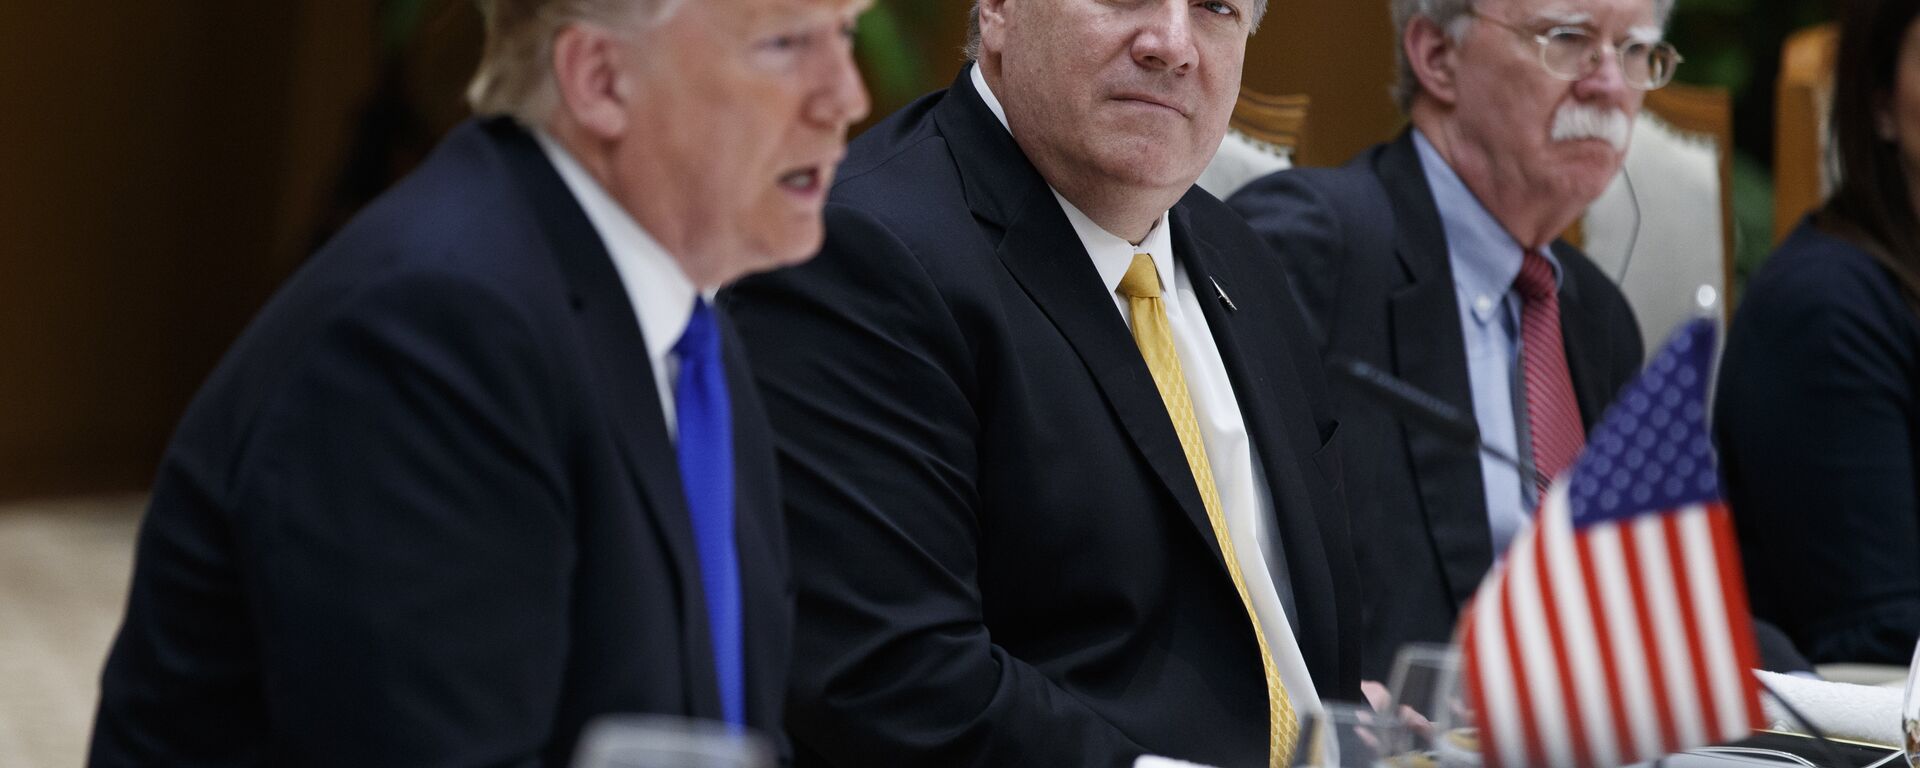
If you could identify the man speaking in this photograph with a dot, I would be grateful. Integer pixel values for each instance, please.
(489, 465)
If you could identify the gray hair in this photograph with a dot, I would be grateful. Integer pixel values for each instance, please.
(1453, 17)
(972, 48)
(515, 76)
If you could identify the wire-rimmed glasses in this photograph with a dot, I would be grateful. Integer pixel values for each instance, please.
(1573, 53)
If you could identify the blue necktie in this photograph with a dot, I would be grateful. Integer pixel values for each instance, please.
(706, 474)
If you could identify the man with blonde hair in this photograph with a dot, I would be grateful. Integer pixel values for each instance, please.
(1436, 258)
(489, 466)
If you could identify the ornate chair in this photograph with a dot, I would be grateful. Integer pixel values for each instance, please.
(1262, 138)
(1802, 161)
(1665, 226)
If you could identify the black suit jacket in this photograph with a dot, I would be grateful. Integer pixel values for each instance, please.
(1001, 554)
(426, 512)
(1368, 255)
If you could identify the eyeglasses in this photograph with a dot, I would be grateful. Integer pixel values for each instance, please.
(1573, 53)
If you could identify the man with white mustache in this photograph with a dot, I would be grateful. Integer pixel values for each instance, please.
(1435, 257)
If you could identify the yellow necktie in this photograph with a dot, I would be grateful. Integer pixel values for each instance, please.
(1151, 332)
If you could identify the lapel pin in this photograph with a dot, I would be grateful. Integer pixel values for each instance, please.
(1224, 299)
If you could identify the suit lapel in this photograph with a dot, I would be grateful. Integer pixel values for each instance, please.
(1429, 353)
(1254, 377)
(1045, 256)
(626, 387)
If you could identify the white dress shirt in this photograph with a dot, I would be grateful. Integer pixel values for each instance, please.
(660, 292)
(1244, 498)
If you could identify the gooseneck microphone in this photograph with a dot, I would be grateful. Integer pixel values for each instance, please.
(1417, 406)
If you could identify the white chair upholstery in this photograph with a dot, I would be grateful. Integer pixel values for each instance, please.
(1242, 159)
(1680, 243)
(1262, 137)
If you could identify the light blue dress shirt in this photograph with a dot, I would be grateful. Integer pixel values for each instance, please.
(1485, 260)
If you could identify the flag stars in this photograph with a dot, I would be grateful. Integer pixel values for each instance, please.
(1652, 450)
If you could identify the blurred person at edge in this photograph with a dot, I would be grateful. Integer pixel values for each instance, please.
(486, 467)
(1055, 498)
(1435, 257)
(1818, 410)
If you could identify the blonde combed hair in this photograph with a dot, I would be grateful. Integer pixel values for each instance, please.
(515, 76)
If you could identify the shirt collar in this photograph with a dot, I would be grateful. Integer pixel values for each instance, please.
(1112, 255)
(986, 95)
(1484, 257)
(661, 294)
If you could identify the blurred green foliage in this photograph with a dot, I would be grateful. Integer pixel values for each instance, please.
(896, 66)
(1735, 44)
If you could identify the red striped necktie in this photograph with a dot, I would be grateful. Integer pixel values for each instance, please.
(1553, 416)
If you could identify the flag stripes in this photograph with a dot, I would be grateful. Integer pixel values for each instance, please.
(1616, 630)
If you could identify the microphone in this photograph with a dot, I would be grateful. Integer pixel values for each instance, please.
(1417, 406)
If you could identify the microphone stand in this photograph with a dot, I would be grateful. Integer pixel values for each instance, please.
(1437, 416)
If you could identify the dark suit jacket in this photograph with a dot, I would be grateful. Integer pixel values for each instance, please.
(1368, 256)
(425, 512)
(1817, 418)
(1001, 554)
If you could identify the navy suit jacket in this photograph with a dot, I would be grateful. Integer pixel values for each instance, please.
(426, 512)
(1368, 254)
(1001, 554)
(1818, 416)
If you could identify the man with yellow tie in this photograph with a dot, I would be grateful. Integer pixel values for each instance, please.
(1059, 469)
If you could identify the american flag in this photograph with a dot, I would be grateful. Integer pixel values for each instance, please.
(1616, 628)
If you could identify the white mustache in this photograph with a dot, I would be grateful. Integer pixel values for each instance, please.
(1581, 121)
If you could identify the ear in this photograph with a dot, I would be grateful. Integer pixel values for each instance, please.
(1432, 55)
(993, 25)
(593, 86)
(1884, 123)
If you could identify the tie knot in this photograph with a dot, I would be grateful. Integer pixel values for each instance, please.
(1535, 281)
(1142, 281)
(701, 340)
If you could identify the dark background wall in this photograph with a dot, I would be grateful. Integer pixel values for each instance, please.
(164, 165)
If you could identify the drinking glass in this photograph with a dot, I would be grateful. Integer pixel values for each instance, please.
(658, 741)
(1430, 704)
(1910, 713)
(1343, 735)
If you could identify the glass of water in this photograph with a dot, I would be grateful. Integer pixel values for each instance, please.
(1910, 713)
(658, 741)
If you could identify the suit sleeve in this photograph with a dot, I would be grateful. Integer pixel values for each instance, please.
(1630, 350)
(869, 382)
(408, 545)
(1815, 414)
